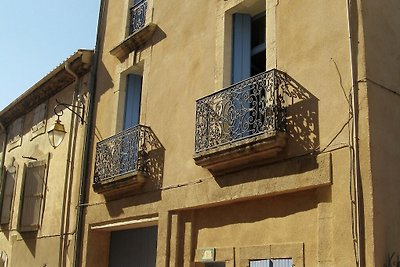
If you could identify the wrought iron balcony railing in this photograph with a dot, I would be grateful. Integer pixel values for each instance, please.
(137, 16)
(124, 153)
(243, 110)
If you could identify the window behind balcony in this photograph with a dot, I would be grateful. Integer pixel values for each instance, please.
(32, 197)
(132, 101)
(249, 56)
(137, 13)
(135, 2)
(248, 60)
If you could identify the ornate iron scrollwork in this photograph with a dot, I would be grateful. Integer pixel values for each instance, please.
(251, 107)
(137, 16)
(124, 153)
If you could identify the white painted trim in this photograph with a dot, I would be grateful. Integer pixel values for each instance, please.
(116, 226)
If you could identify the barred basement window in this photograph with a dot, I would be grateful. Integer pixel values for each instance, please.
(32, 197)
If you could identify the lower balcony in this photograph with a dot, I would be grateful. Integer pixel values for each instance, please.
(123, 161)
(241, 125)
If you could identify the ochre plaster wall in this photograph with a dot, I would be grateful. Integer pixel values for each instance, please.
(301, 196)
(382, 85)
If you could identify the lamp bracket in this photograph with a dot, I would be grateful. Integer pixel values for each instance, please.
(60, 112)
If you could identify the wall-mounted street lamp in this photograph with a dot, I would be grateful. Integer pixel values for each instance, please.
(57, 130)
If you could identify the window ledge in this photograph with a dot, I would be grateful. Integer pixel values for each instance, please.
(121, 185)
(245, 153)
(133, 41)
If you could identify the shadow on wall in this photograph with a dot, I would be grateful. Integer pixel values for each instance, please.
(30, 239)
(301, 118)
(302, 130)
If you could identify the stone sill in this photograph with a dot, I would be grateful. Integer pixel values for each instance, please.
(133, 41)
(121, 185)
(244, 153)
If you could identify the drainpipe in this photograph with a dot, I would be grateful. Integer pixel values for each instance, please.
(355, 151)
(68, 178)
(3, 155)
(87, 145)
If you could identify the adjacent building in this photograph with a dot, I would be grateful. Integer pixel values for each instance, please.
(41, 177)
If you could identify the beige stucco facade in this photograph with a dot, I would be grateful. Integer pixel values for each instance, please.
(300, 204)
(305, 203)
(51, 242)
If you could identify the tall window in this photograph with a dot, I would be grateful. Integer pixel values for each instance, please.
(32, 197)
(248, 59)
(249, 56)
(7, 197)
(132, 100)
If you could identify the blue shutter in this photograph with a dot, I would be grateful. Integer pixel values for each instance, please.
(241, 56)
(132, 100)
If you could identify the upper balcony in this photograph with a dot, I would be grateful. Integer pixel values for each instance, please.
(140, 31)
(137, 17)
(125, 161)
(242, 124)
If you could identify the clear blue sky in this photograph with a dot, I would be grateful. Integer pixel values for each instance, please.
(36, 36)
